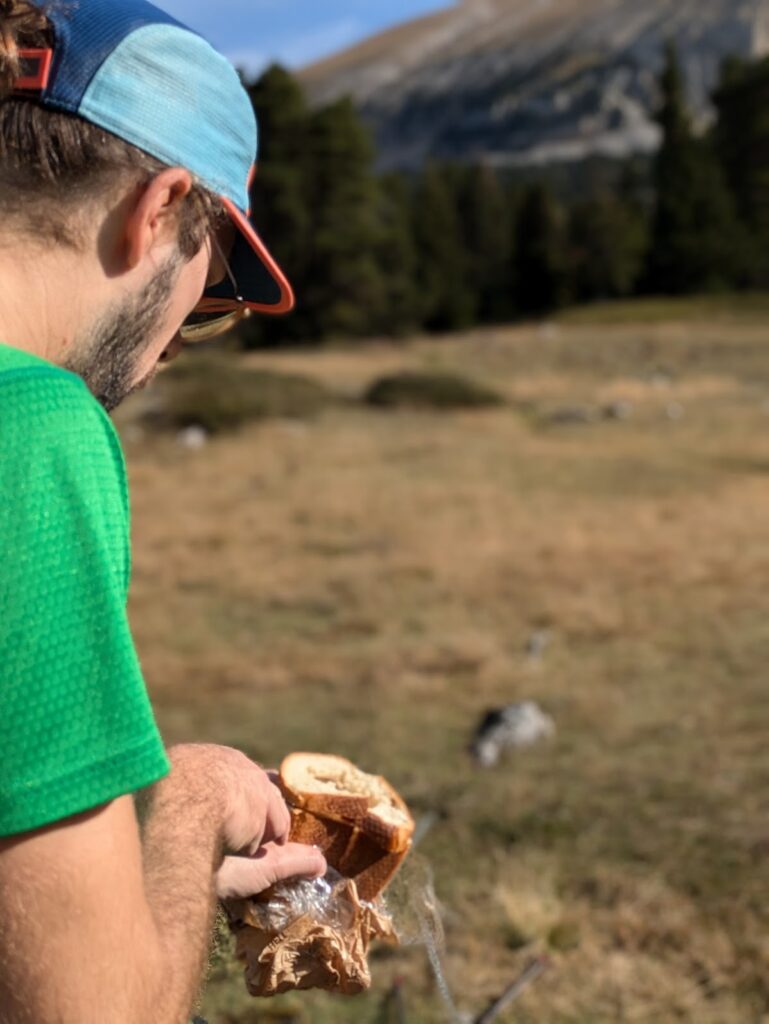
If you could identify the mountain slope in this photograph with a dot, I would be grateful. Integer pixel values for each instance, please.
(519, 82)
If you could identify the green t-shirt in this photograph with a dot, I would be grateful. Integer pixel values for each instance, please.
(76, 725)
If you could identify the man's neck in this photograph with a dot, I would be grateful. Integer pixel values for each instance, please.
(42, 299)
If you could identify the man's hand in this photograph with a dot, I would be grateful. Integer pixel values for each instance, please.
(248, 805)
(215, 802)
(241, 877)
(255, 823)
(100, 926)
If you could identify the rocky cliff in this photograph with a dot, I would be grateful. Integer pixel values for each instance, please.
(521, 82)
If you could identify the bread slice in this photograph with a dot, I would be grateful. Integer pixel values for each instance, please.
(359, 821)
(333, 788)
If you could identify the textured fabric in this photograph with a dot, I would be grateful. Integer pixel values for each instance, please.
(86, 34)
(132, 69)
(76, 726)
(159, 89)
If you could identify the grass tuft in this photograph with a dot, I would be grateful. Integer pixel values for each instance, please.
(220, 395)
(440, 391)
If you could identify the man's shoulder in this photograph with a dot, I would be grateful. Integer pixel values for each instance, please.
(22, 373)
(53, 429)
(39, 399)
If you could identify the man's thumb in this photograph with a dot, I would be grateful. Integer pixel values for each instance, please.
(241, 877)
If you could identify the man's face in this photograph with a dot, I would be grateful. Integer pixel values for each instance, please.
(122, 349)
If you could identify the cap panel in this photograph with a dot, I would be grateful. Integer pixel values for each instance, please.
(86, 33)
(167, 91)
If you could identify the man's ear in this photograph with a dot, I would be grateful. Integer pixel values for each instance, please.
(154, 215)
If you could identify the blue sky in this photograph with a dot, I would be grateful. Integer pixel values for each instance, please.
(295, 32)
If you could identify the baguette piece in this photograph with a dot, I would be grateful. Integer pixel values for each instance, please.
(359, 821)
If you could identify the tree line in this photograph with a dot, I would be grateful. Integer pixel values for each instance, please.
(456, 246)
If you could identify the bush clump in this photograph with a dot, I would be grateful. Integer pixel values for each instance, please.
(411, 390)
(222, 395)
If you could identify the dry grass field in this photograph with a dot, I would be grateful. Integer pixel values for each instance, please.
(367, 583)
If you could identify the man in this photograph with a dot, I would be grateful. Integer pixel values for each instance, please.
(126, 149)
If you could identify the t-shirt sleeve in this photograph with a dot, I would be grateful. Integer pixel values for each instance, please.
(76, 725)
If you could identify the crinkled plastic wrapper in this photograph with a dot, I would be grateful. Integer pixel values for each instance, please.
(309, 935)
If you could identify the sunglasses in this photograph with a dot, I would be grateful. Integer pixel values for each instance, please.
(213, 316)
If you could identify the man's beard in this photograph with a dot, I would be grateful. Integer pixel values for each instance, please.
(108, 355)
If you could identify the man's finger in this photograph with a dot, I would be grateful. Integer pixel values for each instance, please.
(241, 877)
(277, 824)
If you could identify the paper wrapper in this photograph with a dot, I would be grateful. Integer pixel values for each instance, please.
(311, 935)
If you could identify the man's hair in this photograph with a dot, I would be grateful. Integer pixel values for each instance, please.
(53, 164)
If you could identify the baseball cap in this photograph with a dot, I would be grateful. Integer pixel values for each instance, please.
(140, 74)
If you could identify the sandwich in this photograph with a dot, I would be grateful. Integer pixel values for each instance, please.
(317, 935)
(360, 823)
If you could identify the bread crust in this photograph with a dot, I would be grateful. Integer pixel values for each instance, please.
(364, 835)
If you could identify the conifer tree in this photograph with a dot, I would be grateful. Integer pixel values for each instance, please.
(446, 298)
(345, 292)
(397, 258)
(280, 193)
(541, 253)
(486, 221)
(695, 234)
(608, 245)
(741, 139)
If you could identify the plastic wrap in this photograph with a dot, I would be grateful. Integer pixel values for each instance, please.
(324, 900)
(309, 935)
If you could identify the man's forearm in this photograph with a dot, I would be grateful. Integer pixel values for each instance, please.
(182, 849)
(129, 932)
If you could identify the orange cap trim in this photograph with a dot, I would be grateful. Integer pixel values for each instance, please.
(36, 80)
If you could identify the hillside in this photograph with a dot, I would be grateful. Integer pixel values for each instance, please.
(521, 82)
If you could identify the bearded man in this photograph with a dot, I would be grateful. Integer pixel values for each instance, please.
(127, 145)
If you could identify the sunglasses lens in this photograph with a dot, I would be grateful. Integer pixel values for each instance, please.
(202, 326)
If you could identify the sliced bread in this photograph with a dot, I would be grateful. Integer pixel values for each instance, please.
(359, 821)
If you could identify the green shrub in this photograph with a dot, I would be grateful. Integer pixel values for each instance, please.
(221, 395)
(430, 391)
(564, 937)
(514, 938)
